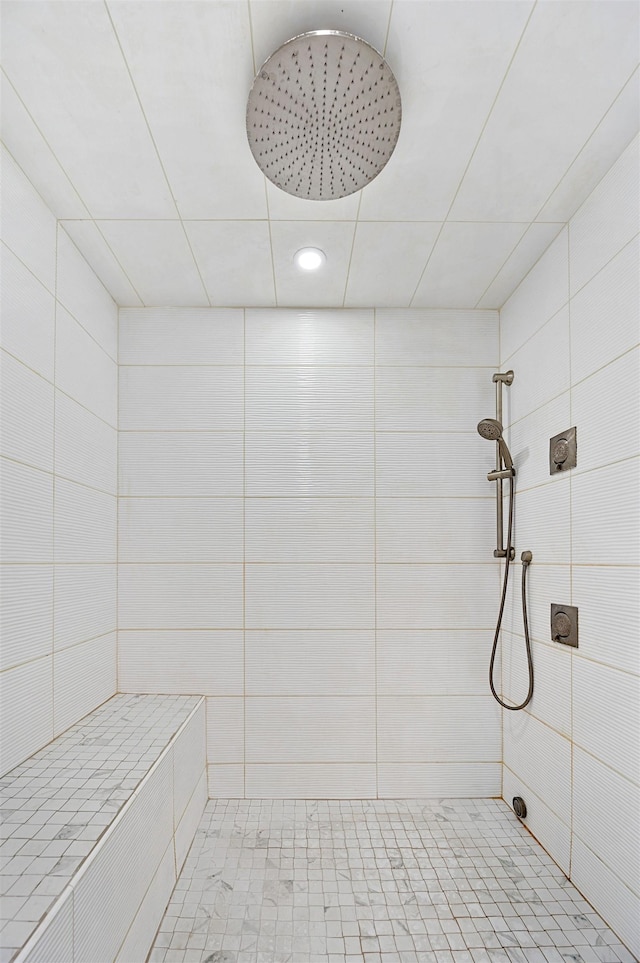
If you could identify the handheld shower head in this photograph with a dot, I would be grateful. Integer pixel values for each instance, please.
(491, 429)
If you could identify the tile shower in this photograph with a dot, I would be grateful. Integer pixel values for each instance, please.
(303, 531)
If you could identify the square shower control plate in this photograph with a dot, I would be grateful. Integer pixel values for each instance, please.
(564, 624)
(562, 451)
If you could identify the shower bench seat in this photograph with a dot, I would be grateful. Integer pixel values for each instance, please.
(96, 827)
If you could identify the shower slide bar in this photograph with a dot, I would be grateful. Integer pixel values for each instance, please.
(502, 471)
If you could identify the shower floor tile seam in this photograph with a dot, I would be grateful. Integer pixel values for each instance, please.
(375, 881)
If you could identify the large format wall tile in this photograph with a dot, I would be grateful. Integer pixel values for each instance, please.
(573, 753)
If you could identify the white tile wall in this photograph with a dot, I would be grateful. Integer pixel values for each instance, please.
(573, 754)
(59, 477)
(249, 569)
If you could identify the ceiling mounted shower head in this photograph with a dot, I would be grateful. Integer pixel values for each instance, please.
(323, 115)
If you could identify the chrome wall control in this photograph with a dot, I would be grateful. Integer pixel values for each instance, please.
(562, 451)
(564, 624)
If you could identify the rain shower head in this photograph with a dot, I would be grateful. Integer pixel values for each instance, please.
(491, 429)
(323, 115)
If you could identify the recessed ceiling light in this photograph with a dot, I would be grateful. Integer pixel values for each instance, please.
(309, 258)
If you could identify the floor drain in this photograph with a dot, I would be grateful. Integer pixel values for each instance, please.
(519, 807)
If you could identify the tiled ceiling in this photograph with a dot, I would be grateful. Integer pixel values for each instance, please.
(129, 117)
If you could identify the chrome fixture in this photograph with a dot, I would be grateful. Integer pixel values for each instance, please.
(564, 624)
(491, 429)
(563, 451)
(323, 115)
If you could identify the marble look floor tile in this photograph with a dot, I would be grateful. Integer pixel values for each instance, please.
(375, 881)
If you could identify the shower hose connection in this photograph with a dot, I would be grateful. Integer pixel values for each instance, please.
(526, 561)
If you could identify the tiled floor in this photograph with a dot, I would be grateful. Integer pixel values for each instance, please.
(417, 881)
(58, 803)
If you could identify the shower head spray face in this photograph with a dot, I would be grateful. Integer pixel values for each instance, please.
(491, 429)
(323, 116)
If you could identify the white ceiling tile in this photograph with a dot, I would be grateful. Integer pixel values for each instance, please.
(157, 258)
(64, 60)
(195, 100)
(465, 260)
(387, 262)
(529, 249)
(617, 129)
(449, 59)
(573, 60)
(274, 22)
(22, 137)
(286, 207)
(323, 288)
(235, 261)
(103, 261)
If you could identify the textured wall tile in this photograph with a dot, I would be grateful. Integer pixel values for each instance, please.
(84, 370)
(596, 404)
(26, 613)
(225, 731)
(28, 311)
(437, 662)
(27, 415)
(619, 905)
(137, 942)
(26, 511)
(607, 220)
(193, 662)
(537, 298)
(181, 336)
(425, 398)
(433, 463)
(541, 758)
(436, 596)
(323, 781)
(189, 398)
(551, 702)
(225, 782)
(434, 529)
(542, 368)
(84, 677)
(291, 336)
(336, 463)
(296, 663)
(438, 729)
(303, 730)
(180, 529)
(26, 711)
(85, 524)
(604, 314)
(189, 760)
(85, 603)
(436, 337)
(543, 822)
(181, 463)
(609, 613)
(306, 398)
(180, 596)
(606, 715)
(86, 447)
(604, 814)
(606, 531)
(309, 529)
(309, 596)
(84, 296)
(53, 940)
(28, 226)
(438, 780)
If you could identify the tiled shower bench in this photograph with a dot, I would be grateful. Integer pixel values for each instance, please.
(96, 827)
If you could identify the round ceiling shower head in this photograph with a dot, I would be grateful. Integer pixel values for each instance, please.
(323, 115)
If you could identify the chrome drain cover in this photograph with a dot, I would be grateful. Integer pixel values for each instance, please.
(323, 115)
